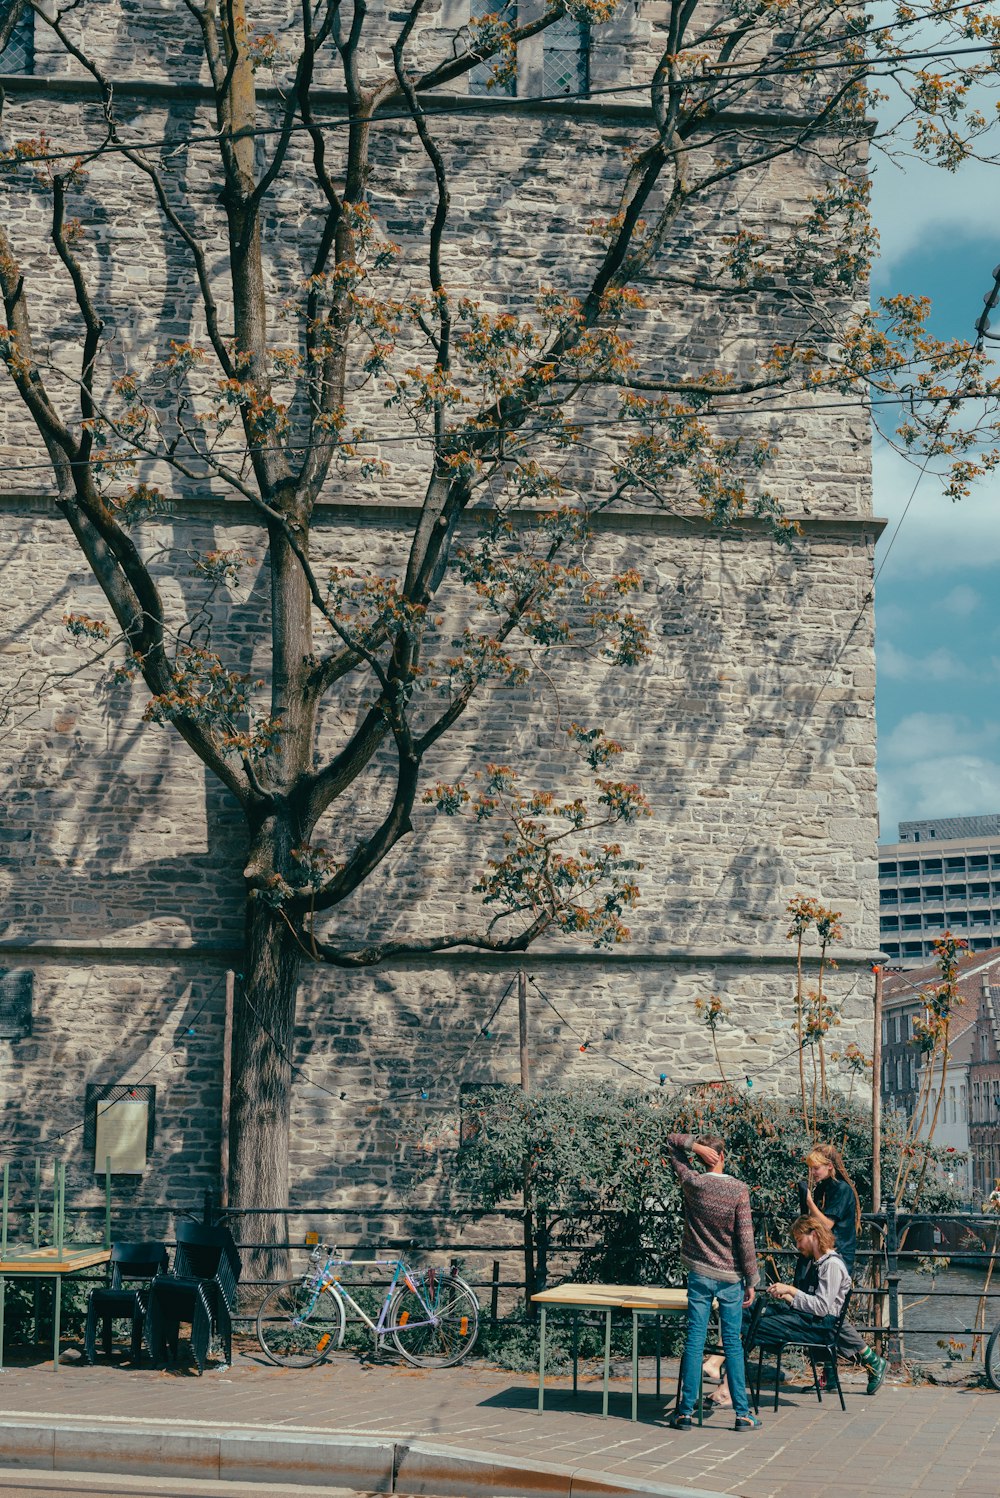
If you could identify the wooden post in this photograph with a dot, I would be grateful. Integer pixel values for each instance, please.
(522, 1029)
(877, 1096)
(227, 1063)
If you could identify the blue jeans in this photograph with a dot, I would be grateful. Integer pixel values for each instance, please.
(701, 1292)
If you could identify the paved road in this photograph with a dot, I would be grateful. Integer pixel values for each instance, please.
(905, 1443)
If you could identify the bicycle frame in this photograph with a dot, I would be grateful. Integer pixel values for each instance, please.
(326, 1279)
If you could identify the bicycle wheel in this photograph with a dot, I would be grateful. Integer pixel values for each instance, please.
(993, 1358)
(444, 1337)
(298, 1325)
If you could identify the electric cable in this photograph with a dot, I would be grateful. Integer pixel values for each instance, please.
(189, 1030)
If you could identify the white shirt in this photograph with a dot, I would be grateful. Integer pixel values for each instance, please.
(831, 1291)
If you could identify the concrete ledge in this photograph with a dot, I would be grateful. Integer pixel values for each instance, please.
(272, 1455)
(27, 1446)
(140, 1450)
(432, 1471)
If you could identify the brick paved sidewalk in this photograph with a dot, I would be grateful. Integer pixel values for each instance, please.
(905, 1443)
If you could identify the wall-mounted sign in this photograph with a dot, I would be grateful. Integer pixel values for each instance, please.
(119, 1127)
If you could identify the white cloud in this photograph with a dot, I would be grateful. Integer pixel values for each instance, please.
(962, 785)
(916, 202)
(934, 736)
(939, 665)
(894, 615)
(962, 601)
(937, 536)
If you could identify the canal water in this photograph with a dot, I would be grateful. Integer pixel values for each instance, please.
(953, 1304)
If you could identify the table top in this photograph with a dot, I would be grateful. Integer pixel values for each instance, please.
(621, 1297)
(22, 1259)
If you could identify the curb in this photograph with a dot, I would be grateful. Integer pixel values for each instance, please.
(418, 1469)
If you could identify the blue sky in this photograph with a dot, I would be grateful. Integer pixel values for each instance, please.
(937, 621)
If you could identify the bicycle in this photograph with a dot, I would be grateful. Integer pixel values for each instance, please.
(431, 1316)
(992, 1360)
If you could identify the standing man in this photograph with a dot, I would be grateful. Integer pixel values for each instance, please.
(720, 1257)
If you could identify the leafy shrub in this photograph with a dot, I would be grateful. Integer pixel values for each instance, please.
(592, 1167)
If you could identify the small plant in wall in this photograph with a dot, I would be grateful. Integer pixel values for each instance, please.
(712, 1013)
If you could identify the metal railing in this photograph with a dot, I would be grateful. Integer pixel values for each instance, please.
(489, 1246)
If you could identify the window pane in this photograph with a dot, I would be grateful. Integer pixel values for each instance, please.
(19, 54)
(565, 46)
(482, 73)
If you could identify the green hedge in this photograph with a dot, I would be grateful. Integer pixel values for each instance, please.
(592, 1167)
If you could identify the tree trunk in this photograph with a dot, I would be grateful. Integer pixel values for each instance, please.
(263, 1030)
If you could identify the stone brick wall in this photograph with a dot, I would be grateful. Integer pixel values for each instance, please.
(121, 860)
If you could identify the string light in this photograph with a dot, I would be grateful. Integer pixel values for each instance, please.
(133, 1086)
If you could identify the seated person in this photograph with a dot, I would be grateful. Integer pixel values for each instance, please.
(812, 1303)
(815, 1298)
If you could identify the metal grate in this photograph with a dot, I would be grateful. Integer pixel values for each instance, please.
(566, 57)
(19, 54)
(16, 990)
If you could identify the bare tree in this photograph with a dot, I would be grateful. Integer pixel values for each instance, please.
(529, 416)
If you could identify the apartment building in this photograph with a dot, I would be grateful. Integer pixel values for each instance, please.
(951, 881)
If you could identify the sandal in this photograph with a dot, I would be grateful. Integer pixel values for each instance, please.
(713, 1402)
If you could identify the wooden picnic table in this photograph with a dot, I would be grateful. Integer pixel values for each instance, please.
(640, 1300)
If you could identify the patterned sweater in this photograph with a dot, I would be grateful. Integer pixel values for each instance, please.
(718, 1232)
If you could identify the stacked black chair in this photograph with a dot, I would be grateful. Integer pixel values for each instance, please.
(822, 1345)
(200, 1289)
(135, 1263)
